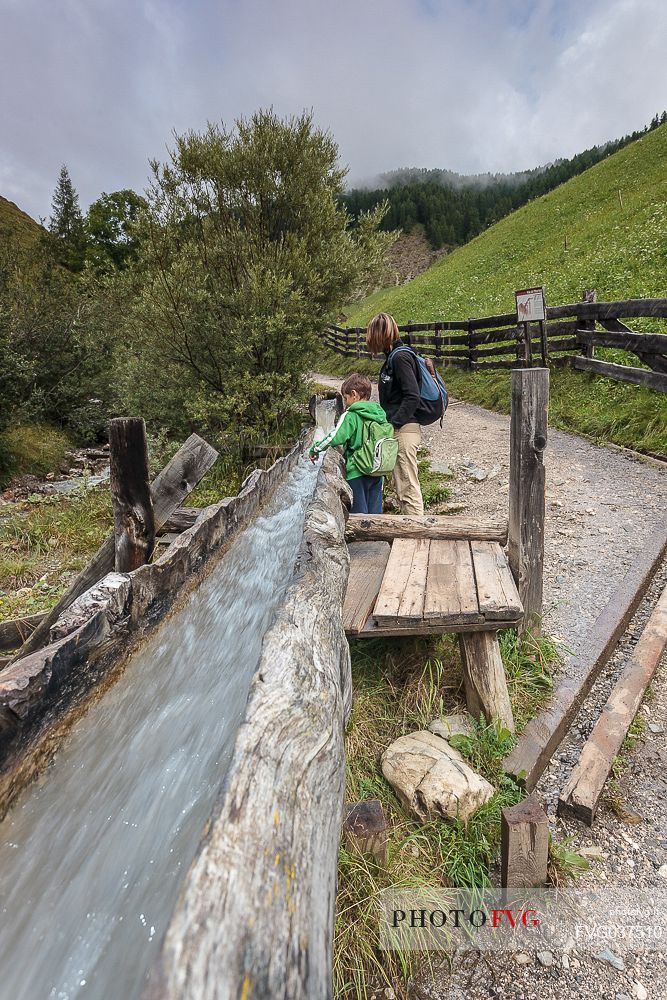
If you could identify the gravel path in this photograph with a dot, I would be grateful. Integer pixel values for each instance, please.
(602, 504)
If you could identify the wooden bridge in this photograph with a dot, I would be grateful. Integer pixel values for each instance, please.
(435, 583)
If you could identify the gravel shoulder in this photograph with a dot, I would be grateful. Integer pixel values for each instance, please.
(602, 505)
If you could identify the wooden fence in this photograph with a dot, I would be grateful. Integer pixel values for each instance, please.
(568, 337)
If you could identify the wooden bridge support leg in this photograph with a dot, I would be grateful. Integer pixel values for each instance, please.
(484, 678)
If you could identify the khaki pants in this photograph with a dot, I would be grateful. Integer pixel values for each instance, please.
(406, 480)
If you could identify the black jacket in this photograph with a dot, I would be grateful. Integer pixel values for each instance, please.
(399, 395)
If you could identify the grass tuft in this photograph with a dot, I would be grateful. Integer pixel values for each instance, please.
(34, 449)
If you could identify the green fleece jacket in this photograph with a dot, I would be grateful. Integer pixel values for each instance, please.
(348, 432)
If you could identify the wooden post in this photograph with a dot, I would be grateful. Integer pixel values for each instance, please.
(527, 346)
(524, 845)
(544, 342)
(588, 295)
(133, 519)
(437, 342)
(470, 343)
(528, 439)
(365, 829)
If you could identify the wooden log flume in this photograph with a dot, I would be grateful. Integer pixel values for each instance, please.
(275, 837)
(98, 630)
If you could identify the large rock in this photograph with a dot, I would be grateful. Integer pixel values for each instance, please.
(432, 779)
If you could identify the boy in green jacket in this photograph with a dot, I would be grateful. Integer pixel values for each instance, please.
(348, 432)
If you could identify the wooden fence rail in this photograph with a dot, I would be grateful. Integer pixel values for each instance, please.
(571, 334)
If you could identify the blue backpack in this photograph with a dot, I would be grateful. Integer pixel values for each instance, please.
(434, 396)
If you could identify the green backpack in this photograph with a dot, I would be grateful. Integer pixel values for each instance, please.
(378, 451)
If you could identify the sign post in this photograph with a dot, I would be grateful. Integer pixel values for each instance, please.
(530, 308)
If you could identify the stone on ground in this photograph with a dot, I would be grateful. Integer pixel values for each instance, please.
(432, 779)
(451, 725)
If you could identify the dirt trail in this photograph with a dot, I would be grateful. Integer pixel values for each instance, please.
(602, 504)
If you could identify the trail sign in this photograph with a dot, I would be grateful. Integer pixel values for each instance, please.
(530, 306)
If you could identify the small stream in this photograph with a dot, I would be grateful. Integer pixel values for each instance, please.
(92, 856)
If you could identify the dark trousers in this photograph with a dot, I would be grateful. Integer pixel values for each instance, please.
(366, 494)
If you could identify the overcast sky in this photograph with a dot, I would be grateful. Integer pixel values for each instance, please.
(470, 85)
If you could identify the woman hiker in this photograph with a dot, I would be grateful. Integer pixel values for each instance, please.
(399, 397)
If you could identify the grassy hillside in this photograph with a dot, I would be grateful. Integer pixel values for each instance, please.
(16, 224)
(619, 249)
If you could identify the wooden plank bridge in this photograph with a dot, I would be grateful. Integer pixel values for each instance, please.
(427, 586)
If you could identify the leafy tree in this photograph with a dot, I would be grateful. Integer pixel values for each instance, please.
(244, 253)
(52, 358)
(109, 222)
(66, 224)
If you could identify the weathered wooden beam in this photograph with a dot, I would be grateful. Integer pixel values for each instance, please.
(524, 845)
(626, 340)
(178, 478)
(385, 527)
(544, 733)
(654, 350)
(623, 373)
(365, 829)
(484, 678)
(271, 848)
(581, 793)
(528, 440)
(181, 519)
(610, 310)
(16, 630)
(368, 561)
(134, 524)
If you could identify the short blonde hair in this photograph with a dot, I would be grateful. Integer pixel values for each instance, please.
(381, 333)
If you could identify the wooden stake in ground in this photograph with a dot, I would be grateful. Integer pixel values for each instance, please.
(581, 794)
(168, 490)
(524, 845)
(134, 524)
(528, 440)
(365, 829)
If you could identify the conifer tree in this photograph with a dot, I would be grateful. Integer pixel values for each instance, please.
(66, 223)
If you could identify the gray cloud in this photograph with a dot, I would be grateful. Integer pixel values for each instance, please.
(471, 85)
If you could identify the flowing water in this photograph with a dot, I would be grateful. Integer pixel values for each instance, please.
(92, 856)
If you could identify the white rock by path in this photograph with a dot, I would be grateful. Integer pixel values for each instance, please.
(432, 779)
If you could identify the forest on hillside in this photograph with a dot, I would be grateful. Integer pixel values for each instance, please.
(453, 209)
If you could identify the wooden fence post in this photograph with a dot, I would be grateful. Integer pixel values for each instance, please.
(588, 295)
(524, 845)
(133, 519)
(528, 439)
